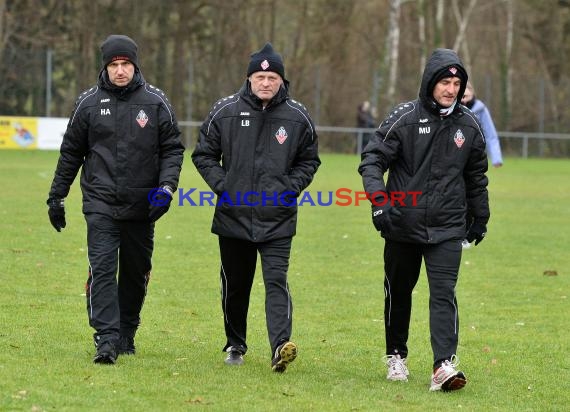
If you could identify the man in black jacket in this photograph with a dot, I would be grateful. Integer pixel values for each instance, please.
(435, 151)
(257, 150)
(124, 136)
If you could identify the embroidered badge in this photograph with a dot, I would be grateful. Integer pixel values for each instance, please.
(142, 118)
(264, 64)
(459, 139)
(453, 70)
(281, 135)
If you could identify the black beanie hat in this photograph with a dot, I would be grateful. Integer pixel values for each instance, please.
(119, 47)
(449, 71)
(266, 60)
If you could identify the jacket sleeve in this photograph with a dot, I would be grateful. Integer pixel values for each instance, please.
(306, 161)
(72, 153)
(207, 156)
(377, 156)
(476, 181)
(171, 150)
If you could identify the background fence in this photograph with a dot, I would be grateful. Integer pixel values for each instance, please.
(334, 139)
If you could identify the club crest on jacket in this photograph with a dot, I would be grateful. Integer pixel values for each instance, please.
(459, 139)
(281, 135)
(142, 118)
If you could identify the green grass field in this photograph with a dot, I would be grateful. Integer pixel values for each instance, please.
(514, 318)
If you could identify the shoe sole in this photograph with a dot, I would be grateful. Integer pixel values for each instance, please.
(234, 362)
(288, 353)
(454, 383)
(397, 378)
(104, 359)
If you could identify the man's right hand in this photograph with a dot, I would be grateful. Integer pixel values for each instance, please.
(56, 213)
(381, 219)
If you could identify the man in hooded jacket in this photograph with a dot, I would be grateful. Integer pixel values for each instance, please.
(257, 150)
(434, 150)
(124, 135)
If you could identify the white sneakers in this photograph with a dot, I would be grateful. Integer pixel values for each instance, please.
(445, 378)
(397, 369)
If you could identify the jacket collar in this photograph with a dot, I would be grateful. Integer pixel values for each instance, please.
(105, 83)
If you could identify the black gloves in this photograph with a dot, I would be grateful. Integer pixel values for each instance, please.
(476, 232)
(381, 219)
(56, 213)
(159, 202)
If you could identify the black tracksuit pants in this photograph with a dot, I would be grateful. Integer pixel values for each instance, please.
(123, 247)
(239, 259)
(402, 263)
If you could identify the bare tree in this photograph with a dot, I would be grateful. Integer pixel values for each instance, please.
(439, 23)
(462, 22)
(421, 7)
(508, 69)
(6, 24)
(392, 52)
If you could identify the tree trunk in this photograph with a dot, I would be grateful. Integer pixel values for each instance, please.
(462, 22)
(507, 72)
(421, 6)
(393, 48)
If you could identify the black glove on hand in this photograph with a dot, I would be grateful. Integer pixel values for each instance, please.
(476, 232)
(56, 213)
(159, 202)
(381, 219)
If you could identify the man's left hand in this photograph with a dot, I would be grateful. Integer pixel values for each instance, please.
(160, 200)
(476, 232)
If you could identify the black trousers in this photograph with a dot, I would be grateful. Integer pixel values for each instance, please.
(123, 247)
(402, 263)
(239, 258)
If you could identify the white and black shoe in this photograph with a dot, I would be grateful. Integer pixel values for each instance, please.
(235, 356)
(447, 378)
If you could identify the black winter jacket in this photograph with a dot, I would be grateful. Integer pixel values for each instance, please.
(257, 161)
(128, 142)
(442, 158)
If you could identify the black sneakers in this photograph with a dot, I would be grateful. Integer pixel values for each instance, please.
(126, 346)
(284, 355)
(106, 353)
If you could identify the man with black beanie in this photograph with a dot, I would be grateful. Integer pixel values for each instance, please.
(257, 150)
(124, 136)
(434, 149)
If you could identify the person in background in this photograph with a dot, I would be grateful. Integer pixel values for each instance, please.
(365, 119)
(260, 144)
(490, 132)
(124, 136)
(433, 148)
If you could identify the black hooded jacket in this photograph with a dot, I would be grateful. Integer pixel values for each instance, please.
(436, 164)
(127, 142)
(257, 161)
